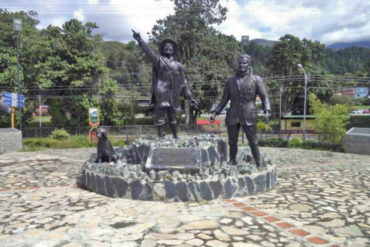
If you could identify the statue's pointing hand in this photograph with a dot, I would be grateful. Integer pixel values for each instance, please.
(136, 36)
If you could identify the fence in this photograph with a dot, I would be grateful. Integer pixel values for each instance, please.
(128, 130)
(278, 138)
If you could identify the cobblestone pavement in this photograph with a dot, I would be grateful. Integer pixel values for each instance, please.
(322, 200)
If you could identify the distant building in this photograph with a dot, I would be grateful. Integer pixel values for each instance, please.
(361, 92)
(354, 93)
(294, 123)
(44, 110)
(349, 92)
(245, 40)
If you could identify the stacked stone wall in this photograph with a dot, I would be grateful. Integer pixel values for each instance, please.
(10, 140)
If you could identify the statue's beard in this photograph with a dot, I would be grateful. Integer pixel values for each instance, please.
(242, 73)
(168, 53)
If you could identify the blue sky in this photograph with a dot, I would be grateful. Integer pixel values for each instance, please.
(328, 21)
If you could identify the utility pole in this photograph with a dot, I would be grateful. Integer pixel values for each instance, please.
(17, 26)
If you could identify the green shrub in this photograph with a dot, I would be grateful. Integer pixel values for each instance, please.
(263, 126)
(362, 121)
(294, 143)
(143, 121)
(323, 146)
(339, 99)
(59, 134)
(119, 143)
(78, 141)
(274, 142)
(329, 119)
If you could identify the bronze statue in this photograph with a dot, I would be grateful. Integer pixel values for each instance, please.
(242, 89)
(168, 83)
(5, 109)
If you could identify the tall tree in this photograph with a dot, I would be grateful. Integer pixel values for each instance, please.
(77, 74)
(286, 55)
(8, 62)
(63, 62)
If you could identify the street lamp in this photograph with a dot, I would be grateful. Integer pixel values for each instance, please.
(305, 100)
(17, 26)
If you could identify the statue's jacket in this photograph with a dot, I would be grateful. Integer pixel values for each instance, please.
(168, 80)
(242, 94)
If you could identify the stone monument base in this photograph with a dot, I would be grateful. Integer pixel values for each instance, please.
(10, 140)
(189, 169)
(357, 140)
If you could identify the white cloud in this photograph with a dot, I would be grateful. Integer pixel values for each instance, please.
(140, 15)
(57, 22)
(79, 14)
(327, 21)
(93, 2)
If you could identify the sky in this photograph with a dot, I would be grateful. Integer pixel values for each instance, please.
(328, 21)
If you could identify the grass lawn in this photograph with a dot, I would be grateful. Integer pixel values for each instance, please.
(76, 141)
(355, 107)
(44, 119)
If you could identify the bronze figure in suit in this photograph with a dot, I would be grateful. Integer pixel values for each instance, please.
(168, 83)
(242, 89)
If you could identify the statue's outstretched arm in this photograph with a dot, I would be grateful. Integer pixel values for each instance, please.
(153, 57)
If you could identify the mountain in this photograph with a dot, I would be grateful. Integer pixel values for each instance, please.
(342, 45)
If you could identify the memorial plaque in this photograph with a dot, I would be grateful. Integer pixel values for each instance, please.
(174, 158)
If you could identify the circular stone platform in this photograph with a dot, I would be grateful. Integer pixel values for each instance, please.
(188, 169)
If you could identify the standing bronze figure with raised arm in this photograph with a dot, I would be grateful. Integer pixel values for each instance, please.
(168, 83)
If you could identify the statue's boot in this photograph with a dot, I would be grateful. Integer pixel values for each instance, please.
(160, 131)
(233, 152)
(173, 130)
(256, 155)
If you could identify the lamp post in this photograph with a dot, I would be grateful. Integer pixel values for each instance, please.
(305, 100)
(17, 26)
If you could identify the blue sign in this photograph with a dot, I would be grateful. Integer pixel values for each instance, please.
(11, 99)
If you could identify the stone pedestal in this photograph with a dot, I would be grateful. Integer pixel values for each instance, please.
(10, 140)
(357, 140)
(189, 169)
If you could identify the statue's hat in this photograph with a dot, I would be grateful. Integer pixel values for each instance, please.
(165, 41)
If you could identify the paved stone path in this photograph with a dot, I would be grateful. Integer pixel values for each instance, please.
(322, 200)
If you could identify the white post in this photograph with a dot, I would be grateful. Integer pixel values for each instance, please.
(305, 100)
(40, 110)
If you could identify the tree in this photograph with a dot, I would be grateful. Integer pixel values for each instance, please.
(350, 60)
(340, 99)
(330, 120)
(286, 55)
(72, 63)
(8, 62)
(261, 55)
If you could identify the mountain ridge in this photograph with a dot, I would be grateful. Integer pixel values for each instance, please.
(344, 45)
